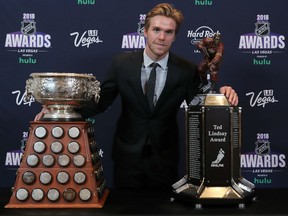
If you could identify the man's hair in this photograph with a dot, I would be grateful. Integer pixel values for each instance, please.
(165, 9)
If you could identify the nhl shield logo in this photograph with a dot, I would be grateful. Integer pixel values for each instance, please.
(262, 147)
(140, 29)
(28, 27)
(262, 29)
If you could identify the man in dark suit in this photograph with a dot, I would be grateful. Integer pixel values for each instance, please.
(145, 148)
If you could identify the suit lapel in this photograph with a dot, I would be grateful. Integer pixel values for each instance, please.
(136, 65)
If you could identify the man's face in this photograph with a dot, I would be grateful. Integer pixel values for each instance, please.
(160, 36)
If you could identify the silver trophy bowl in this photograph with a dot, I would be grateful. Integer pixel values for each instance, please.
(61, 93)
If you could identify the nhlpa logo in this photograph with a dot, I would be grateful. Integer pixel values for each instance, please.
(28, 27)
(220, 156)
(262, 29)
(262, 147)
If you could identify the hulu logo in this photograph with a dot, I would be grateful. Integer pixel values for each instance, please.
(261, 62)
(262, 181)
(85, 2)
(27, 61)
(203, 2)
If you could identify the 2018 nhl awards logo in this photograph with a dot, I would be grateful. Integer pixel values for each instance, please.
(27, 42)
(262, 43)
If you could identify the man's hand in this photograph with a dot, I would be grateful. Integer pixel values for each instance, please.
(231, 95)
(41, 114)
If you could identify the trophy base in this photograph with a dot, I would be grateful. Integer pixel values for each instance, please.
(240, 193)
(60, 168)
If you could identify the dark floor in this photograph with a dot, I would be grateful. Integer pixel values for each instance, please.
(267, 202)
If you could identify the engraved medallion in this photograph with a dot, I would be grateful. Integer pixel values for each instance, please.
(57, 132)
(73, 147)
(53, 194)
(79, 160)
(28, 177)
(79, 177)
(85, 194)
(32, 160)
(56, 147)
(45, 178)
(64, 160)
(74, 132)
(39, 147)
(37, 194)
(48, 160)
(22, 194)
(69, 194)
(40, 132)
(62, 177)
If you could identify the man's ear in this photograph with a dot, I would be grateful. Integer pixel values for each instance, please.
(145, 33)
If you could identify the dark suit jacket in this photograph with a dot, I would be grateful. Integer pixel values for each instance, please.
(136, 123)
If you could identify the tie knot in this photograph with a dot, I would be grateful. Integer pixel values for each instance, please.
(154, 65)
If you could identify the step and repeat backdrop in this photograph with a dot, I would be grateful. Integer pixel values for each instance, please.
(82, 36)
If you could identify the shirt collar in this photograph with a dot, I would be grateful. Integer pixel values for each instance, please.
(148, 61)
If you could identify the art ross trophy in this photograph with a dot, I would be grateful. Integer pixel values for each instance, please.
(60, 166)
(213, 141)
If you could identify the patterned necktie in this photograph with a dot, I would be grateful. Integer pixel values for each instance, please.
(150, 86)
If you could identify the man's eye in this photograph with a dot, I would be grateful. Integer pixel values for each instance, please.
(169, 32)
(156, 30)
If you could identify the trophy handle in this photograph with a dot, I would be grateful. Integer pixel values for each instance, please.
(94, 89)
(28, 90)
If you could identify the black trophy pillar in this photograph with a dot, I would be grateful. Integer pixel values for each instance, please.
(213, 135)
